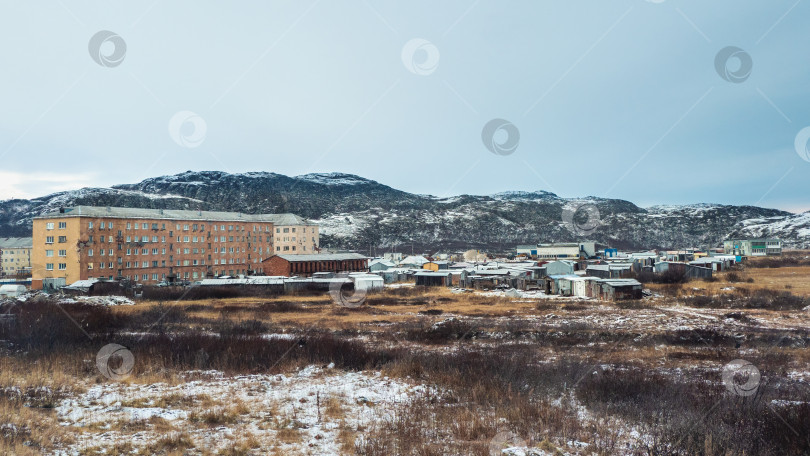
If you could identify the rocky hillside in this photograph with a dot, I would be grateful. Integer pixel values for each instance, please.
(363, 214)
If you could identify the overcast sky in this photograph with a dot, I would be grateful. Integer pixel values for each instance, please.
(622, 99)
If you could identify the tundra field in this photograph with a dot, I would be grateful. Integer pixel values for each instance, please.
(705, 367)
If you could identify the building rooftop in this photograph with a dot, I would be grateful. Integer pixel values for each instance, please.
(16, 243)
(174, 214)
(321, 257)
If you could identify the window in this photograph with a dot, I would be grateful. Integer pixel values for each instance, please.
(62, 225)
(145, 239)
(286, 230)
(185, 227)
(129, 225)
(89, 252)
(154, 276)
(49, 266)
(101, 225)
(185, 238)
(90, 225)
(145, 277)
(49, 253)
(62, 253)
(63, 266)
(62, 239)
(145, 226)
(49, 226)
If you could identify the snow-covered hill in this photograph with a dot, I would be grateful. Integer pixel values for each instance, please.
(359, 213)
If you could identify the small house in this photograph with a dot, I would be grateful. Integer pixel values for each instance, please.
(433, 279)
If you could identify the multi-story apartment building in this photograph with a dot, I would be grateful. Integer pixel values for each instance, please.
(752, 247)
(15, 256)
(295, 236)
(156, 245)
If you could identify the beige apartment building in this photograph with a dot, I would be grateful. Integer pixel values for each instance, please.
(15, 257)
(156, 245)
(295, 235)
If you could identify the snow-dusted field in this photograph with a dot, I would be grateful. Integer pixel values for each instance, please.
(290, 414)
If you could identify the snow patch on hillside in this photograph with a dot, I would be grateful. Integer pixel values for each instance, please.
(334, 179)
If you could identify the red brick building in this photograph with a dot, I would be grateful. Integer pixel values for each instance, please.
(306, 265)
(155, 245)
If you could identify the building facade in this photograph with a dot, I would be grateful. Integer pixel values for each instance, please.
(295, 235)
(585, 249)
(15, 257)
(153, 245)
(306, 265)
(752, 247)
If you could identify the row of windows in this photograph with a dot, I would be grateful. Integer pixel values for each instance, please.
(186, 227)
(49, 239)
(49, 266)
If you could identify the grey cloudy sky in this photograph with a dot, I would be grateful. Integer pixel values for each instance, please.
(618, 99)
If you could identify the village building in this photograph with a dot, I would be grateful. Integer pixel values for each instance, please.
(433, 279)
(560, 267)
(380, 264)
(752, 247)
(413, 262)
(15, 257)
(307, 265)
(159, 245)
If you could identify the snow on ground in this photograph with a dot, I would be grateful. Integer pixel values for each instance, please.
(269, 404)
(99, 300)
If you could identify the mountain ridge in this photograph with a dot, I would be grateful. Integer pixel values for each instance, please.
(359, 213)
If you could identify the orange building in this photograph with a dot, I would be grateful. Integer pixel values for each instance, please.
(156, 245)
